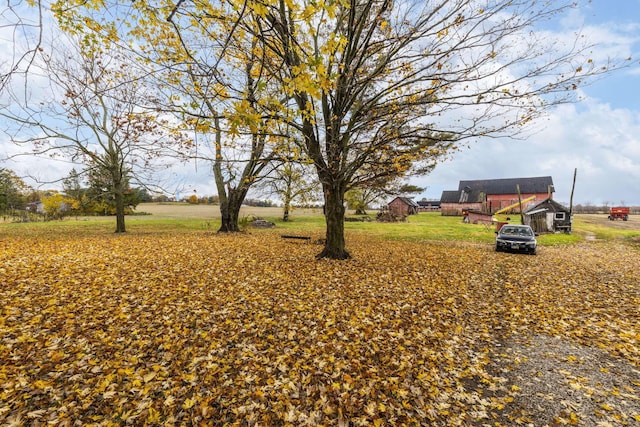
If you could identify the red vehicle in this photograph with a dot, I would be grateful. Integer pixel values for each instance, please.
(619, 212)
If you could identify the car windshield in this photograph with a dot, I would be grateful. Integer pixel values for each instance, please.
(516, 231)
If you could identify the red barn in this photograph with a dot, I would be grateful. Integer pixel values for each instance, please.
(491, 195)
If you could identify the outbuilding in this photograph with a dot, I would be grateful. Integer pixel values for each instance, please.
(428, 205)
(403, 206)
(477, 217)
(548, 216)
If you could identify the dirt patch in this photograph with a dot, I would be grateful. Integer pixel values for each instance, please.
(589, 236)
(602, 220)
(562, 383)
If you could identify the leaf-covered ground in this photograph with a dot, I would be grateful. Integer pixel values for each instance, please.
(206, 329)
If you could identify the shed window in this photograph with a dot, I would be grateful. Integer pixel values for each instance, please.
(559, 216)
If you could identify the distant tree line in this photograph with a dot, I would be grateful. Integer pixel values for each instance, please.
(215, 200)
(20, 202)
(14, 194)
(588, 208)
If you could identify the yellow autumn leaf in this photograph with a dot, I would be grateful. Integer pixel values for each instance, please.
(188, 404)
(153, 327)
(148, 377)
(606, 407)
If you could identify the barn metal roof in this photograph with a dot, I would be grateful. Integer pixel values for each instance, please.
(531, 185)
(450, 197)
(546, 204)
(536, 211)
(407, 201)
(474, 196)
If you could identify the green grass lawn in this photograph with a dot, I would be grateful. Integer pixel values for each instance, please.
(431, 226)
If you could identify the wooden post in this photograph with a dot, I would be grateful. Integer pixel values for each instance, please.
(520, 204)
(573, 187)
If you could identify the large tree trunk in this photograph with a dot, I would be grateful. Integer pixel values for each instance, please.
(334, 247)
(119, 200)
(230, 210)
(287, 205)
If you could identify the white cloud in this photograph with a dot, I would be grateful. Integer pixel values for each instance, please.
(601, 142)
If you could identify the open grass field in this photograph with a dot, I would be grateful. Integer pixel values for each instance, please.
(174, 324)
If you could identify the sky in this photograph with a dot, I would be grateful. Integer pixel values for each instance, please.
(598, 138)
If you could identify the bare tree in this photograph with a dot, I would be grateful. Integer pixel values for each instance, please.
(214, 81)
(94, 116)
(294, 183)
(22, 23)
